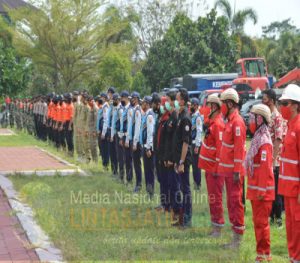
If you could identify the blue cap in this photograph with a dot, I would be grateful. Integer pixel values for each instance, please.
(103, 95)
(111, 90)
(135, 95)
(124, 93)
(194, 101)
(147, 99)
(116, 96)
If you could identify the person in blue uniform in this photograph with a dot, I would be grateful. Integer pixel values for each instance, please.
(146, 141)
(196, 140)
(126, 134)
(136, 147)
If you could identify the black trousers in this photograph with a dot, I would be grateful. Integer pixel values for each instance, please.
(69, 137)
(278, 202)
(149, 171)
(137, 164)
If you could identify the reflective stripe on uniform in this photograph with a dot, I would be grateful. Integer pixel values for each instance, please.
(289, 178)
(206, 159)
(227, 165)
(285, 160)
(256, 165)
(216, 224)
(228, 145)
(261, 188)
(240, 227)
(208, 147)
(237, 160)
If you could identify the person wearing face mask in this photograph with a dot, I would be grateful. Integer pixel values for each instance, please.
(196, 140)
(167, 158)
(103, 127)
(182, 156)
(99, 103)
(162, 170)
(277, 128)
(289, 173)
(232, 157)
(136, 147)
(208, 160)
(127, 155)
(83, 126)
(146, 141)
(91, 132)
(113, 133)
(261, 184)
(68, 126)
(119, 139)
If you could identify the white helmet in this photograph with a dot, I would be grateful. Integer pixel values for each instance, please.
(291, 92)
(230, 94)
(262, 110)
(214, 98)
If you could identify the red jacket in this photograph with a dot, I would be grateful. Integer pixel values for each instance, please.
(289, 175)
(262, 182)
(211, 145)
(233, 148)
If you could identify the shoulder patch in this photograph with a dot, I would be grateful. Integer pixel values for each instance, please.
(238, 131)
(187, 128)
(264, 155)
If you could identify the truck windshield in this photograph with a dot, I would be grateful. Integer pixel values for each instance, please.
(255, 68)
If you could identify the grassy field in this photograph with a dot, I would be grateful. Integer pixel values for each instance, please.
(97, 218)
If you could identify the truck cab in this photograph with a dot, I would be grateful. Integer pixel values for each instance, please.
(252, 74)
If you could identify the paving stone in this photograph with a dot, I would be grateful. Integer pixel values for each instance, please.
(27, 158)
(13, 245)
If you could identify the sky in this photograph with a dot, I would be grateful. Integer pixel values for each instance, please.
(268, 11)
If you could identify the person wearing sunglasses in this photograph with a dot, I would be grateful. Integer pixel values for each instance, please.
(289, 175)
(261, 184)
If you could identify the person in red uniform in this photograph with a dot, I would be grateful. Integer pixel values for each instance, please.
(261, 183)
(232, 157)
(208, 161)
(289, 175)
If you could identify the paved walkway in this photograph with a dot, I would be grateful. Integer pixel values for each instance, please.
(14, 245)
(27, 159)
(6, 132)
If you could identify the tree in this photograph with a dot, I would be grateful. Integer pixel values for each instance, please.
(237, 21)
(155, 17)
(139, 84)
(115, 70)
(275, 29)
(66, 38)
(283, 54)
(203, 46)
(14, 73)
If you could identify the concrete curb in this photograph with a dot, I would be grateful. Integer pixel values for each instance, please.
(38, 238)
(78, 170)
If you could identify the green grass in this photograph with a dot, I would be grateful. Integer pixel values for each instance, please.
(113, 230)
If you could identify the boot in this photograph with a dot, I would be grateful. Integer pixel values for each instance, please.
(216, 232)
(180, 219)
(235, 243)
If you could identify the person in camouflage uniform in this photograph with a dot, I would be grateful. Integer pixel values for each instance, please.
(91, 132)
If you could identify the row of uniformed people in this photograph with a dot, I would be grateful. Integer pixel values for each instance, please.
(131, 129)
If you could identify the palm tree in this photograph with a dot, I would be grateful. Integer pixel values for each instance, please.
(237, 21)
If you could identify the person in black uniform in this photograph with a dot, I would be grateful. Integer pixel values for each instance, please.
(182, 155)
(173, 180)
